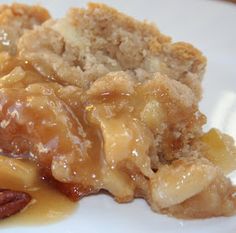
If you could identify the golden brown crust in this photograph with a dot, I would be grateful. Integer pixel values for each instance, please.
(15, 19)
(108, 14)
(16, 10)
(185, 52)
(99, 39)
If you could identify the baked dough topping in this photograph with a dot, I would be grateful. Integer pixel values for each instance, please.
(100, 101)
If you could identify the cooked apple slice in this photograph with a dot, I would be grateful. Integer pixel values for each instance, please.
(221, 150)
(18, 171)
(175, 183)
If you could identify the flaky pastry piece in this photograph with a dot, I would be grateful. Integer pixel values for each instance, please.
(100, 101)
(89, 43)
(17, 18)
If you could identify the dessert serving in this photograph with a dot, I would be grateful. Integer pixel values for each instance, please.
(96, 101)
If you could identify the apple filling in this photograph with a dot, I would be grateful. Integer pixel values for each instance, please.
(92, 113)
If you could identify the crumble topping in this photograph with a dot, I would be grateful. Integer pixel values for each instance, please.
(100, 101)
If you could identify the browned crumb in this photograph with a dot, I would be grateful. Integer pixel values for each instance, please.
(15, 19)
(95, 41)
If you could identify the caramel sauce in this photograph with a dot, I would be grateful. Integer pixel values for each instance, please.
(59, 128)
(47, 204)
(53, 135)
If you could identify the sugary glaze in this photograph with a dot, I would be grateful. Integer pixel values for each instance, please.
(47, 204)
(95, 114)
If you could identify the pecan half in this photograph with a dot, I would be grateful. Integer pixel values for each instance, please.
(11, 202)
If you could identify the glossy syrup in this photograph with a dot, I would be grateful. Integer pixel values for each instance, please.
(47, 205)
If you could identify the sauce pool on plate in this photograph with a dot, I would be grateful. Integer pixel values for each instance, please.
(48, 205)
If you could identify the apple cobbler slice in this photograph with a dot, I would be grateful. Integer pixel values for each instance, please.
(100, 101)
(106, 138)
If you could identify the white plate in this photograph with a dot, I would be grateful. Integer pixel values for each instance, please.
(210, 26)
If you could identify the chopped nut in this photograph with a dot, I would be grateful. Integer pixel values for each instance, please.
(12, 202)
